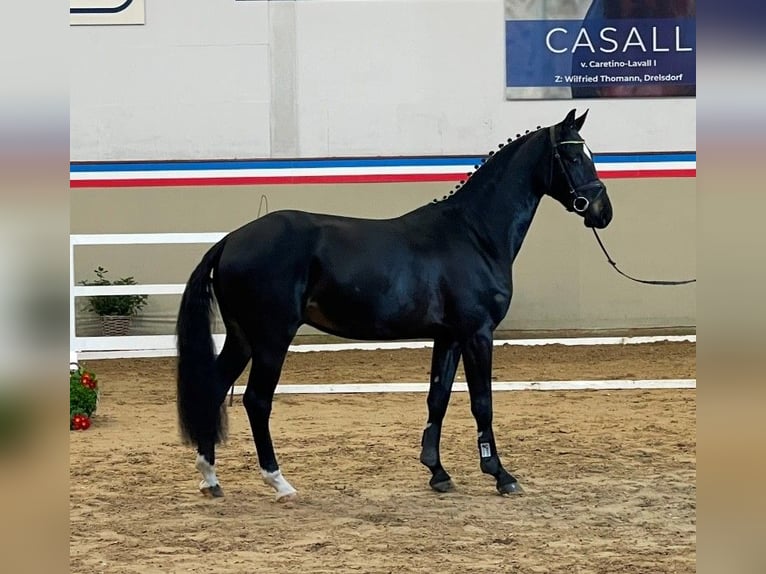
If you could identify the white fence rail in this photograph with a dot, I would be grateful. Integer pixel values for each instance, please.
(134, 346)
(145, 238)
(80, 345)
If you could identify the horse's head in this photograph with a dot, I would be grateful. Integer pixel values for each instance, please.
(573, 178)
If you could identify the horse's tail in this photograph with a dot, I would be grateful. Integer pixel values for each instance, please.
(201, 416)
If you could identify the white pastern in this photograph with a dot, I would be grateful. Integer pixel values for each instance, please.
(208, 473)
(279, 483)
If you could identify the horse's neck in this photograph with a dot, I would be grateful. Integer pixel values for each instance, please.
(524, 210)
(502, 200)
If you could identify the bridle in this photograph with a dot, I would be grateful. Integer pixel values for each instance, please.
(579, 201)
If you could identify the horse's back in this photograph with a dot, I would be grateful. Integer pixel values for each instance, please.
(278, 251)
(287, 237)
(358, 278)
(354, 277)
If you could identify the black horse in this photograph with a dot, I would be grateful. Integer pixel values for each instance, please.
(441, 272)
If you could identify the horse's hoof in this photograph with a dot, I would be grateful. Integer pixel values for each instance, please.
(286, 497)
(212, 491)
(443, 486)
(441, 483)
(510, 488)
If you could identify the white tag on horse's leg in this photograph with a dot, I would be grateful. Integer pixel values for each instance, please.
(284, 489)
(208, 473)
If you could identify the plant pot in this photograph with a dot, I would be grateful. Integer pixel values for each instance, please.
(115, 325)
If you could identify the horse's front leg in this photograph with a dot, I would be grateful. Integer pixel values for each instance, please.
(446, 355)
(477, 358)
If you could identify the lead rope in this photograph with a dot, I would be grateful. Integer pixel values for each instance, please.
(647, 281)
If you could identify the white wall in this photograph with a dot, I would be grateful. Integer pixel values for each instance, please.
(232, 79)
(193, 82)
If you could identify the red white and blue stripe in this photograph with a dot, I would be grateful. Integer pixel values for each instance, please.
(344, 170)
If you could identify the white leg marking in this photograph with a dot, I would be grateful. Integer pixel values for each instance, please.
(208, 473)
(279, 483)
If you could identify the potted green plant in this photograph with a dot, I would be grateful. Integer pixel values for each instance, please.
(116, 311)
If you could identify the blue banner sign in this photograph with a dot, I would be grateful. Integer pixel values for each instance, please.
(603, 57)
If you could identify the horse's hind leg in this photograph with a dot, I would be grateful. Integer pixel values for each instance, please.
(446, 355)
(230, 363)
(268, 357)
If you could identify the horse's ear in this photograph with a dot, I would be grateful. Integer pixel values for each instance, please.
(570, 119)
(581, 120)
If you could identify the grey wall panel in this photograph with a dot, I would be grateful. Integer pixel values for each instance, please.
(561, 278)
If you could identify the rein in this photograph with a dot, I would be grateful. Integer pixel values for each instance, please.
(580, 203)
(646, 281)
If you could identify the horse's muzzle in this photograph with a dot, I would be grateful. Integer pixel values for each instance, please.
(599, 212)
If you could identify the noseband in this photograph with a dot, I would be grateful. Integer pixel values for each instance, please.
(579, 202)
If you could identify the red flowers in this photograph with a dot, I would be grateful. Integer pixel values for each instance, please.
(88, 381)
(80, 422)
(83, 397)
